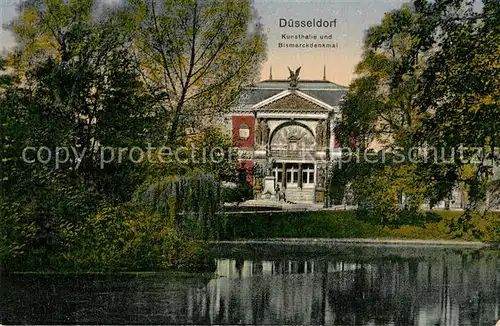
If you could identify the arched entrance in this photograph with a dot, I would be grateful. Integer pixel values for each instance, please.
(292, 147)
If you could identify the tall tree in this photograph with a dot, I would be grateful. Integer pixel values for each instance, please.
(429, 79)
(84, 81)
(195, 55)
(81, 94)
(461, 96)
(380, 105)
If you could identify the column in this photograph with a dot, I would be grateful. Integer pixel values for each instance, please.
(283, 182)
(300, 175)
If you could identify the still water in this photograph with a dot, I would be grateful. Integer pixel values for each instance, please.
(271, 284)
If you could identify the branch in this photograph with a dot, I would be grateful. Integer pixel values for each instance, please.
(250, 57)
(166, 71)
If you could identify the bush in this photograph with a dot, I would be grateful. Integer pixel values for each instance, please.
(39, 223)
(326, 224)
(238, 194)
(190, 203)
(472, 225)
(349, 224)
(126, 238)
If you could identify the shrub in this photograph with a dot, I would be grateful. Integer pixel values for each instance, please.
(190, 203)
(126, 238)
(238, 194)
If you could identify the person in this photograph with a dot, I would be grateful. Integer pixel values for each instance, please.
(280, 194)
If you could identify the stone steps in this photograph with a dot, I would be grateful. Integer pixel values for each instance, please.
(297, 195)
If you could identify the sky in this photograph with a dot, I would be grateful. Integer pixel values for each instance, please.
(353, 18)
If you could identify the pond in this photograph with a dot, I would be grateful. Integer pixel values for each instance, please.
(269, 284)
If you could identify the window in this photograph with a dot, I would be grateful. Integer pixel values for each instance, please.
(293, 143)
(278, 172)
(308, 173)
(292, 173)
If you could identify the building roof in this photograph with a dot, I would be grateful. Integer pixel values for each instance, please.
(323, 90)
(303, 84)
(292, 100)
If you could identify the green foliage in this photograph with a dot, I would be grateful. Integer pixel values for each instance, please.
(43, 222)
(333, 224)
(380, 193)
(451, 225)
(429, 78)
(194, 56)
(381, 188)
(212, 151)
(190, 203)
(437, 225)
(87, 81)
(381, 102)
(241, 192)
(126, 238)
(461, 92)
(6, 79)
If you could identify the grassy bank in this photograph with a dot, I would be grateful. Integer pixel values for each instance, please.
(437, 225)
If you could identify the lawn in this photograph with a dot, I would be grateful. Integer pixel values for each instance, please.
(437, 225)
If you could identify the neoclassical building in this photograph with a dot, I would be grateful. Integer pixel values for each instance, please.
(285, 127)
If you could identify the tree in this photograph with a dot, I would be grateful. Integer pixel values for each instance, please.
(429, 79)
(380, 109)
(194, 56)
(461, 96)
(81, 96)
(84, 83)
(88, 87)
(380, 105)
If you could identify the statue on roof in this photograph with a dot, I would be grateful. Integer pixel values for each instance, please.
(294, 77)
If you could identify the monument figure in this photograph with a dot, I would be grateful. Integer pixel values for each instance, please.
(294, 77)
(269, 168)
(319, 134)
(321, 177)
(258, 133)
(265, 132)
(324, 134)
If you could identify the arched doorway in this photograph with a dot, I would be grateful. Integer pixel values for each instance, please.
(292, 147)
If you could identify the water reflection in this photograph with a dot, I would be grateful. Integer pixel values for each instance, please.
(392, 292)
(439, 288)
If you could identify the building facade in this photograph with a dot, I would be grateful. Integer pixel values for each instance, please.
(284, 130)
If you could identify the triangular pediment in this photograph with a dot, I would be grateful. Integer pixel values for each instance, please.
(292, 101)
